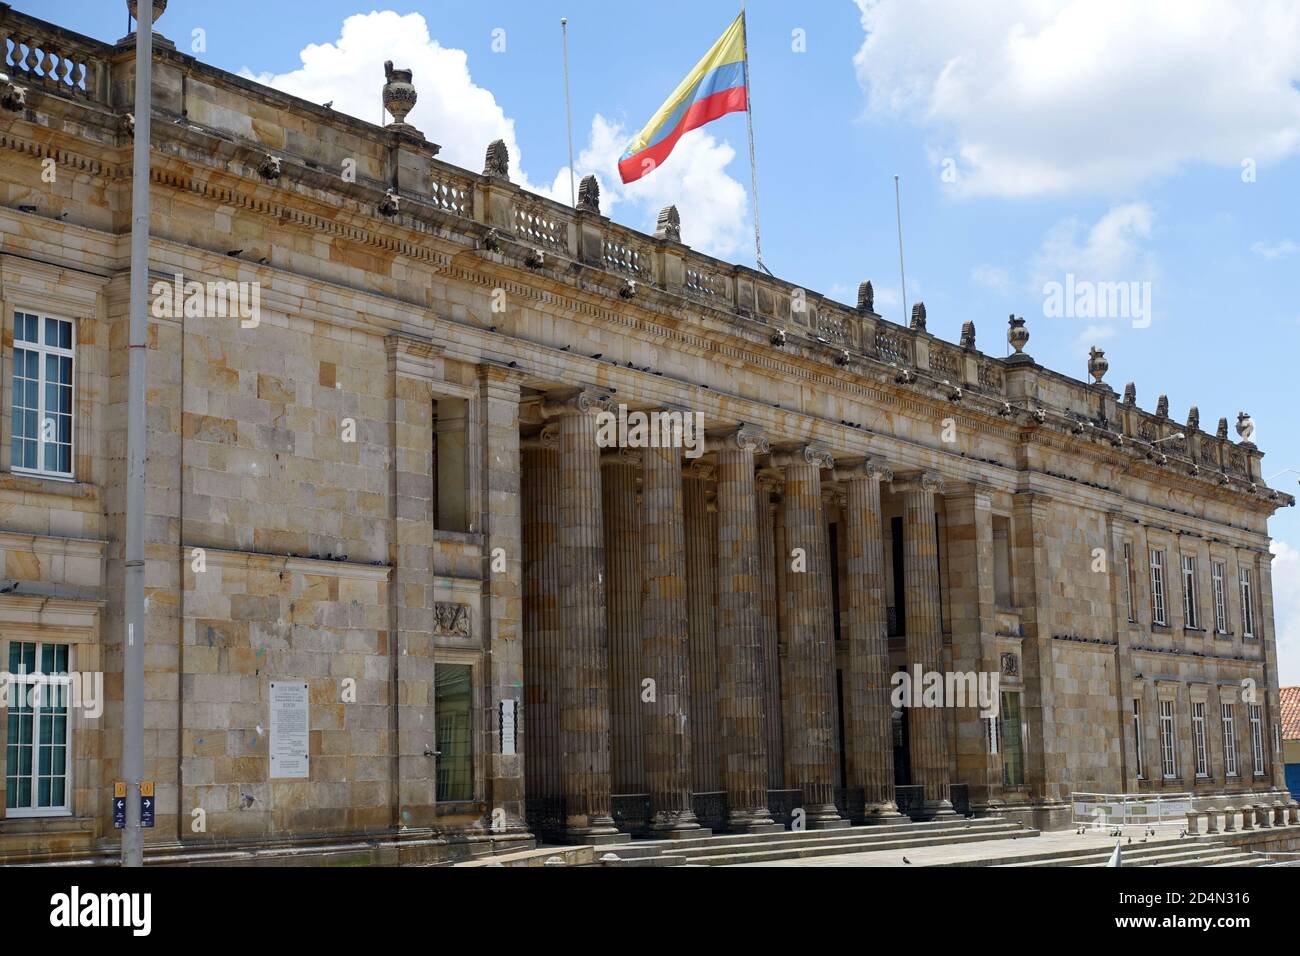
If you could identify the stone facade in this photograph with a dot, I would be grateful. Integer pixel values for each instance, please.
(394, 472)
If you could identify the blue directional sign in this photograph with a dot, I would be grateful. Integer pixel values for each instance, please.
(119, 805)
(146, 803)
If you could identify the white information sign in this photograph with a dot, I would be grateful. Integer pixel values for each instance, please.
(289, 729)
(507, 727)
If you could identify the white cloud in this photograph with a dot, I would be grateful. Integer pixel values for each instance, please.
(463, 117)
(1042, 96)
(993, 277)
(1274, 250)
(1113, 249)
(1286, 610)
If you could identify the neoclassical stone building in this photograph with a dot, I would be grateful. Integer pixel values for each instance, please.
(383, 481)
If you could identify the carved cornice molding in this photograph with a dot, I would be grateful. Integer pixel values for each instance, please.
(868, 469)
(804, 455)
(587, 401)
(742, 438)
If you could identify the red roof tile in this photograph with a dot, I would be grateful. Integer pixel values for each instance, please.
(1291, 713)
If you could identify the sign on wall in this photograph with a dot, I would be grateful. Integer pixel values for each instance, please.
(289, 729)
(508, 727)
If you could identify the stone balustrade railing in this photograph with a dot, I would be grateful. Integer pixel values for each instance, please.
(1249, 816)
(47, 57)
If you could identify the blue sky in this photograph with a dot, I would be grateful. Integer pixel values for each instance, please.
(1111, 141)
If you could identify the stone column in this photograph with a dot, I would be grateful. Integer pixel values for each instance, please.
(584, 705)
(664, 648)
(543, 668)
(764, 509)
(927, 726)
(740, 675)
(700, 587)
(808, 619)
(865, 627)
(620, 472)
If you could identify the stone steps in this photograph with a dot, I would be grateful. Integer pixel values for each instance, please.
(1163, 853)
(730, 849)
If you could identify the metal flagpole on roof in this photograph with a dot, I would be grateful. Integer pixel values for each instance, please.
(568, 111)
(902, 275)
(749, 121)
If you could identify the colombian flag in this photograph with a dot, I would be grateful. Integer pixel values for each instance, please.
(718, 85)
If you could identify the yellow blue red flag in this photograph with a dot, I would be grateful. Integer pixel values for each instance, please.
(718, 85)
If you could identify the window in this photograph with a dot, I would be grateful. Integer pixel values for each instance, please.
(1257, 739)
(1247, 604)
(1002, 561)
(1130, 584)
(1220, 598)
(1157, 587)
(453, 712)
(1013, 759)
(42, 395)
(1198, 737)
(1168, 741)
(451, 465)
(37, 730)
(1191, 596)
(1229, 740)
(1137, 733)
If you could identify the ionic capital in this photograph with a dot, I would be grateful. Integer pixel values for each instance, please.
(743, 438)
(769, 480)
(869, 469)
(587, 401)
(928, 481)
(806, 455)
(548, 439)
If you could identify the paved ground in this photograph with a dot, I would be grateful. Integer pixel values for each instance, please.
(939, 855)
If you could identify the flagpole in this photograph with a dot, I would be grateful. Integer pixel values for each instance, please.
(749, 121)
(902, 275)
(568, 111)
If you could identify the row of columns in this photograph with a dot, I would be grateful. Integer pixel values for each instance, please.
(697, 599)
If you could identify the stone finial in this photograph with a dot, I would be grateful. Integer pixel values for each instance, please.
(1221, 432)
(1017, 334)
(1130, 394)
(1162, 406)
(399, 93)
(1194, 420)
(968, 335)
(918, 317)
(589, 195)
(158, 7)
(1245, 426)
(391, 204)
(496, 163)
(1097, 364)
(866, 298)
(12, 97)
(670, 224)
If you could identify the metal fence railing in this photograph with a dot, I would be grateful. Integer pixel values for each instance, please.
(1122, 809)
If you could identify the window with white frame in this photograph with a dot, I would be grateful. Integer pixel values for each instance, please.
(37, 734)
(1130, 584)
(1191, 595)
(1198, 737)
(1217, 574)
(1229, 740)
(1247, 603)
(41, 417)
(1157, 586)
(1137, 735)
(1257, 738)
(1168, 740)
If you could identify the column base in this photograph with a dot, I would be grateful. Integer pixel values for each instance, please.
(939, 810)
(882, 813)
(752, 821)
(825, 817)
(677, 825)
(594, 831)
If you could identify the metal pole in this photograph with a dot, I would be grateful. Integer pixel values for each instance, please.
(568, 112)
(902, 275)
(749, 122)
(133, 664)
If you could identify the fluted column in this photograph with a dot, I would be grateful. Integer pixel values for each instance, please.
(621, 471)
(810, 638)
(700, 588)
(927, 726)
(865, 628)
(740, 676)
(584, 706)
(664, 648)
(764, 509)
(543, 668)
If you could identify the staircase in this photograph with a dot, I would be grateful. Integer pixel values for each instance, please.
(1169, 852)
(730, 849)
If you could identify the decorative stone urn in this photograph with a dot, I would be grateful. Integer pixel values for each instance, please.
(1097, 364)
(1017, 334)
(399, 93)
(158, 7)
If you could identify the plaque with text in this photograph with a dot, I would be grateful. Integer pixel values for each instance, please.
(508, 727)
(289, 729)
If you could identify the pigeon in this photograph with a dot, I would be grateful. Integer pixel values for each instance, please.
(599, 355)
(907, 861)
(566, 348)
(329, 105)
